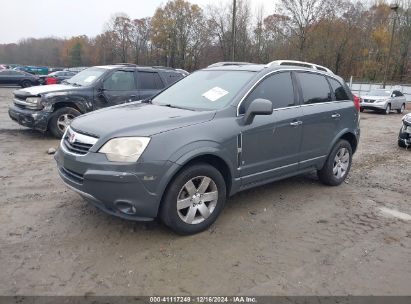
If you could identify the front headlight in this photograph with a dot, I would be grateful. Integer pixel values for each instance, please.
(33, 100)
(125, 149)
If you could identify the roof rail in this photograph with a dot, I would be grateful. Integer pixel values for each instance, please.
(300, 63)
(125, 63)
(223, 63)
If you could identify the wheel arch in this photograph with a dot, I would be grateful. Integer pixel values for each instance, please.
(352, 139)
(210, 158)
(63, 104)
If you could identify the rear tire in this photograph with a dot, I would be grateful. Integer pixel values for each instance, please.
(61, 119)
(337, 165)
(193, 199)
(401, 110)
(26, 84)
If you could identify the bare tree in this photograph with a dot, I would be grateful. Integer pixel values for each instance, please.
(302, 14)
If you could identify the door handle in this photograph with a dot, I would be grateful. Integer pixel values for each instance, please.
(336, 115)
(296, 123)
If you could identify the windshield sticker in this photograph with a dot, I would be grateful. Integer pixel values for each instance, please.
(89, 79)
(215, 93)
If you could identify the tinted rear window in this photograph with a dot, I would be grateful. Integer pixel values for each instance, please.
(171, 77)
(339, 91)
(315, 88)
(150, 81)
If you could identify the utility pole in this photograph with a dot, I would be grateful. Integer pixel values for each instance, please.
(233, 33)
(393, 7)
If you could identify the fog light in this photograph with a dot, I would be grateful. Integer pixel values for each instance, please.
(126, 208)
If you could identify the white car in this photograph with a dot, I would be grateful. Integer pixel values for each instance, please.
(383, 100)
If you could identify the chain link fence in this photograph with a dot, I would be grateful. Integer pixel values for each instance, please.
(360, 88)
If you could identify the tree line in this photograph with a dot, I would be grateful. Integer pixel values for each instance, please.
(350, 37)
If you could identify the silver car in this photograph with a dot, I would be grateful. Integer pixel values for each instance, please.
(383, 100)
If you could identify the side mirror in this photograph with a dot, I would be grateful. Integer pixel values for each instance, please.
(258, 106)
(100, 93)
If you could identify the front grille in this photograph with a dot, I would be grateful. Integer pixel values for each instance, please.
(20, 97)
(77, 148)
(369, 100)
(77, 143)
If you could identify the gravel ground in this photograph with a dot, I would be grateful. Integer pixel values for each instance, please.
(293, 237)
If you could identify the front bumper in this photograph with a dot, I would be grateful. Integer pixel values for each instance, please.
(373, 105)
(405, 136)
(111, 186)
(35, 119)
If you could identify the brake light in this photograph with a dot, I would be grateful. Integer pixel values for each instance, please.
(51, 80)
(357, 102)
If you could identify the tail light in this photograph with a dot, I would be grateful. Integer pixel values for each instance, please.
(357, 102)
(51, 80)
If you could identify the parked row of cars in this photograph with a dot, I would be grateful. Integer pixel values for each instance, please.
(170, 146)
(24, 79)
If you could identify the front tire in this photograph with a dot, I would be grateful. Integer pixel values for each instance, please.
(401, 110)
(361, 110)
(387, 109)
(61, 119)
(337, 165)
(194, 199)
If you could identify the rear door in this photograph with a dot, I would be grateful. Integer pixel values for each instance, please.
(321, 118)
(270, 145)
(149, 83)
(119, 87)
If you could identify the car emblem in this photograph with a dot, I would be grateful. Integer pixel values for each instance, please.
(72, 138)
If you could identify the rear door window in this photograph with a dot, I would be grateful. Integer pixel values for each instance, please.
(315, 88)
(339, 91)
(171, 77)
(120, 81)
(150, 81)
(277, 88)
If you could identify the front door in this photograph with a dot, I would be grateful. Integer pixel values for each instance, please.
(119, 87)
(270, 145)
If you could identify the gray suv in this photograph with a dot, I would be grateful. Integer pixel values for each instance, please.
(179, 155)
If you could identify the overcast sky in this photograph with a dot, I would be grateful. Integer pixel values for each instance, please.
(65, 18)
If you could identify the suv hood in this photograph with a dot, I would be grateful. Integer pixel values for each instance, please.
(37, 90)
(137, 119)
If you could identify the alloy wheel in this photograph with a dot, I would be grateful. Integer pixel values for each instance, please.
(197, 199)
(64, 121)
(341, 163)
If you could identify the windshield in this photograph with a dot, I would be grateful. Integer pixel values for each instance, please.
(379, 93)
(204, 90)
(86, 77)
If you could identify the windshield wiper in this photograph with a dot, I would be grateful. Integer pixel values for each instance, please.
(147, 100)
(75, 84)
(175, 107)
